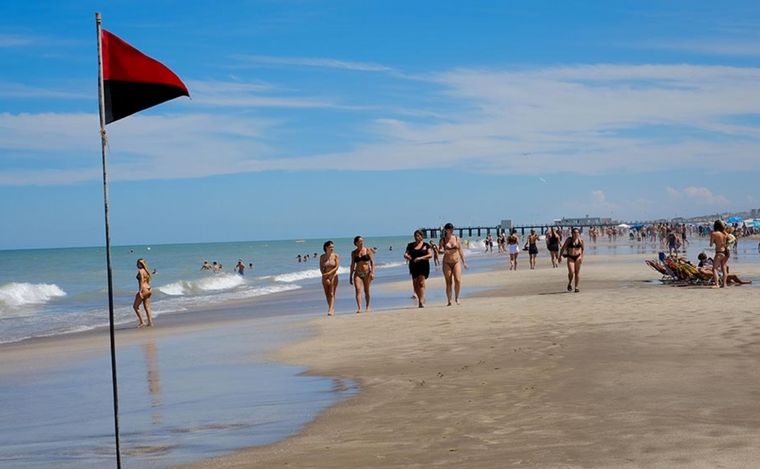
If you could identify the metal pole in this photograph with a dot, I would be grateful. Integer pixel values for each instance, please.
(103, 142)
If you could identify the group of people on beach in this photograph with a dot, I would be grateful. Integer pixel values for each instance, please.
(571, 249)
(418, 254)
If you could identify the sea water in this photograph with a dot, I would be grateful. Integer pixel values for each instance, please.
(47, 292)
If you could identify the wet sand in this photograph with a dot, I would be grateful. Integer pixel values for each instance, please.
(626, 373)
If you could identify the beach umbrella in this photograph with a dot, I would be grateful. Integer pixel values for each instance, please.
(734, 220)
(756, 224)
(623, 225)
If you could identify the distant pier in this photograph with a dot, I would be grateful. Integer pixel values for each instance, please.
(432, 233)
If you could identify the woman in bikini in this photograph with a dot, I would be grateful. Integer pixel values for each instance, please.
(143, 293)
(418, 254)
(513, 248)
(719, 238)
(573, 251)
(552, 245)
(532, 249)
(329, 262)
(362, 272)
(452, 267)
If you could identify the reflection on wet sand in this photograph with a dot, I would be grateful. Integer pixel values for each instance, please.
(150, 351)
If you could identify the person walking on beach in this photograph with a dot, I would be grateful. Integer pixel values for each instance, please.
(719, 238)
(532, 249)
(329, 263)
(418, 253)
(513, 248)
(362, 272)
(572, 249)
(434, 250)
(552, 245)
(143, 294)
(453, 260)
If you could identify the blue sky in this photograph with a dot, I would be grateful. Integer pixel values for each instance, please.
(327, 119)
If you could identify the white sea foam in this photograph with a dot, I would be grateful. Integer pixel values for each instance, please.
(213, 283)
(21, 294)
(292, 277)
(261, 291)
(304, 275)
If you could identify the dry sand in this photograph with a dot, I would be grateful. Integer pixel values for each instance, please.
(624, 374)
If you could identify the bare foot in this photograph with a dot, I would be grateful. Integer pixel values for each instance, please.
(358, 311)
(140, 324)
(449, 304)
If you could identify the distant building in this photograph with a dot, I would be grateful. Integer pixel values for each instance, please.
(585, 221)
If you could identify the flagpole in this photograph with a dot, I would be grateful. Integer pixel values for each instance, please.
(103, 142)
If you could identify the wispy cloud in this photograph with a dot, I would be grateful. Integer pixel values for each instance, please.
(143, 147)
(699, 194)
(718, 46)
(589, 119)
(248, 95)
(318, 62)
(8, 41)
(584, 119)
(11, 90)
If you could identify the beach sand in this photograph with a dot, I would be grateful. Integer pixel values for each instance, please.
(626, 373)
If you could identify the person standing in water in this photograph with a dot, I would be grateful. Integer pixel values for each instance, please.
(143, 294)
(329, 263)
(452, 267)
(552, 245)
(572, 249)
(719, 239)
(418, 253)
(240, 267)
(513, 248)
(362, 272)
(532, 249)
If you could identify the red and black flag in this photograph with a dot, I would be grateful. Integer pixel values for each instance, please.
(132, 81)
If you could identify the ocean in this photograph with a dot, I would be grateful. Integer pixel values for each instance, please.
(46, 292)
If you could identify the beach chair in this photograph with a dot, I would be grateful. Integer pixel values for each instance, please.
(699, 278)
(668, 276)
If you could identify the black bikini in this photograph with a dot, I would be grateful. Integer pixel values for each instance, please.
(574, 246)
(364, 258)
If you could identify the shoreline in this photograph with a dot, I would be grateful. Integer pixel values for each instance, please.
(535, 376)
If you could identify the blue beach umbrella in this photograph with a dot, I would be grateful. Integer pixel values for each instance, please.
(733, 220)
